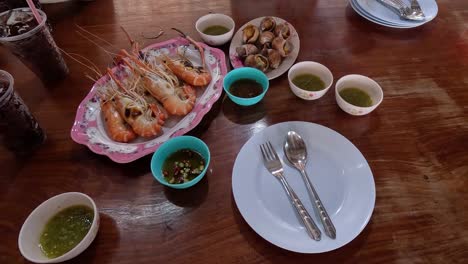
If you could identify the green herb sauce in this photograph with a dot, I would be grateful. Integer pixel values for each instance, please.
(309, 82)
(356, 96)
(65, 230)
(215, 30)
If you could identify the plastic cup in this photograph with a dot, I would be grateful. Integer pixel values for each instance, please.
(19, 130)
(10, 4)
(37, 50)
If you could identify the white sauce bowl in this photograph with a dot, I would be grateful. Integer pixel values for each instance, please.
(310, 67)
(371, 87)
(215, 20)
(28, 241)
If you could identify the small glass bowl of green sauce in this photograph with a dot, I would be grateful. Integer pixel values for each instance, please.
(357, 94)
(309, 80)
(215, 29)
(59, 229)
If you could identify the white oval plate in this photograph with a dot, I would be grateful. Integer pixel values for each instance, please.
(285, 64)
(89, 128)
(377, 10)
(338, 171)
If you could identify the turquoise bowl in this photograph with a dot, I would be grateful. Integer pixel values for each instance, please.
(173, 145)
(246, 73)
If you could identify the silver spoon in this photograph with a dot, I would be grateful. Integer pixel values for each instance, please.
(296, 153)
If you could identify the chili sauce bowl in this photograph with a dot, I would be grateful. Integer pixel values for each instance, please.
(173, 145)
(28, 240)
(215, 20)
(310, 67)
(366, 84)
(246, 73)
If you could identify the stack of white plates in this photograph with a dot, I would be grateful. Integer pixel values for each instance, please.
(374, 11)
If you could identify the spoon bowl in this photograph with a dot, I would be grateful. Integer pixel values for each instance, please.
(295, 150)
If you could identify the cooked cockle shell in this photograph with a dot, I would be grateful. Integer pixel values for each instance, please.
(283, 46)
(246, 50)
(274, 58)
(282, 30)
(250, 34)
(267, 24)
(257, 61)
(266, 38)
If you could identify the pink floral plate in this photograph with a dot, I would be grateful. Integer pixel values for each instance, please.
(88, 128)
(285, 64)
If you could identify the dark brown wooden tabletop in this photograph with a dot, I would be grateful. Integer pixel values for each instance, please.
(416, 141)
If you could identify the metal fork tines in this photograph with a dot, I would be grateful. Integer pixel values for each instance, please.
(404, 11)
(414, 12)
(415, 5)
(274, 166)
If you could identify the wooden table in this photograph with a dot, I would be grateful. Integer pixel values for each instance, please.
(416, 142)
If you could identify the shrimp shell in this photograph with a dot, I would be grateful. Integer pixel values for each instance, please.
(145, 122)
(118, 129)
(196, 76)
(145, 119)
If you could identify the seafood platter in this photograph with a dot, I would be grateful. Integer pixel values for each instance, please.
(269, 44)
(152, 95)
(163, 90)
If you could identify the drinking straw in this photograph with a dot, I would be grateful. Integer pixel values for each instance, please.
(34, 11)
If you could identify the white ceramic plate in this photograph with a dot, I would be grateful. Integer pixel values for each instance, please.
(338, 171)
(376, 11)
(285, 64)
(371, 18)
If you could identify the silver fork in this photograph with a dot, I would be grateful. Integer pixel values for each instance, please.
(402, 10)
(416, 8)
(274, 166)
(412, 13)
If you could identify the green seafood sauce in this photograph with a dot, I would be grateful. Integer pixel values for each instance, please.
(356, 96)
(215, 30)
(65, 230)
(309, 82)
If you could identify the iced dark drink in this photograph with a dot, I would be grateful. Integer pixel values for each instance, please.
(11, 4)
(19, 130)
(32, 43)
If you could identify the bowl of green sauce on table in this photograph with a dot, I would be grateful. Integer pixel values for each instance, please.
(59, 229)
(357, 94)
(309, 80)
(215, 29)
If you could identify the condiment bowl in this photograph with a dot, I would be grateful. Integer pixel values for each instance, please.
(173, 145)
(28, 241)
(246, 73)
(310, 67)
(215, 20)
(371, 87)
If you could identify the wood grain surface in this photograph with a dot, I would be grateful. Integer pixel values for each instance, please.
(416, 142)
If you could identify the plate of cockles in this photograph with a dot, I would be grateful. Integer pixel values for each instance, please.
(270, 44)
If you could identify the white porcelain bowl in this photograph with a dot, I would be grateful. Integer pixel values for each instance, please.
(28, 241)
(215, 20)
(371, 87)
(310, 67)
